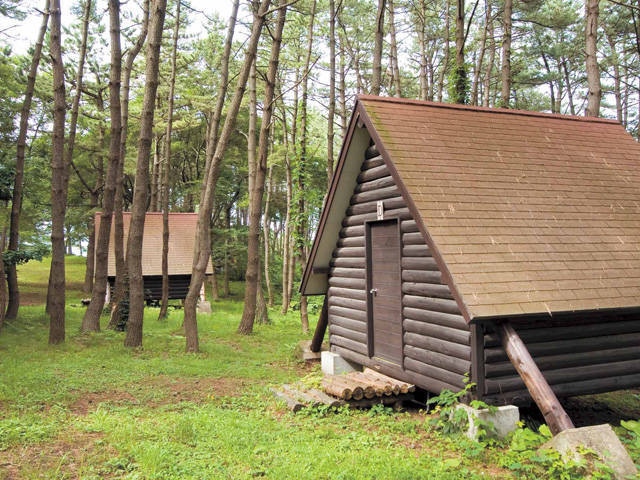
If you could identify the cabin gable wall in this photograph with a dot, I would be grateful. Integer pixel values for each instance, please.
(436, 340)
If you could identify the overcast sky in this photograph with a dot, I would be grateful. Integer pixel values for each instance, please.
(22, 34)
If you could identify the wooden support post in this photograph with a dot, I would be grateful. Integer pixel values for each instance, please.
(540, 390)
(321, 327)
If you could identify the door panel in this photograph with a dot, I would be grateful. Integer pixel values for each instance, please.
(384, 287)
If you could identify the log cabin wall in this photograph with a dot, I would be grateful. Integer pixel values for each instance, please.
(582, 355)
(436, 339)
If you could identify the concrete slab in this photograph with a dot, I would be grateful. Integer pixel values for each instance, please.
(204, 307)
(334, 364)
(504, 419)
(303, 351)
(600, 439)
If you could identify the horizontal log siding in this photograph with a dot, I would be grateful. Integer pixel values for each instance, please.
(577, 355)
(436, 341)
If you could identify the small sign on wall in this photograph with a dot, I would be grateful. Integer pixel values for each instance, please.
(380, 210)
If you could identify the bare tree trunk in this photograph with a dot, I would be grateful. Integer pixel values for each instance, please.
(140, 195)
(266, 237)
(486, 83)
(460, 77)
(3, 282)
(164, 191)
(13, 300)
(506, 54)
(376, 74)
(447, 47)
(482, 52)
(331, 114)
(256, 192)
(594, 95)
(202, 250)
(395, 66)
(91, 319)
(121, 286)
(56, 294)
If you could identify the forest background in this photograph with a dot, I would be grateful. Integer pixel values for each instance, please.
(158, 105)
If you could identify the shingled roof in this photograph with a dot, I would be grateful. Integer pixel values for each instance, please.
(182, 231)
(526, 212)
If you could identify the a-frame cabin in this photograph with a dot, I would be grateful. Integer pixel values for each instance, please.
(449, 231)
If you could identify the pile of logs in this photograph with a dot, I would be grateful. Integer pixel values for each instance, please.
(298, 398)
(368, 384)
(358, 389)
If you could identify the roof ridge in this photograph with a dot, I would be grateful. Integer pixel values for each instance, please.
(480, 109)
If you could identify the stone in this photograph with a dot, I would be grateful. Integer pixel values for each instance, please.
(602, 440)
(334, 364)
(504, 419)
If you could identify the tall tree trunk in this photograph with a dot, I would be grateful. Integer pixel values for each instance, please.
(252, 285)
(506, 54)
(376, 74)
(594, 95)
(164, 191)
(266, 230)
(91, 319)
(13, 300)
(444, 68)
(331, 114)
(460, 74)
(56, 294)
(482, 52)
(121, 286)
(202, 250)
(3, 283)
(486, 82)
(140, 194)
(301, 180)
(393, 57)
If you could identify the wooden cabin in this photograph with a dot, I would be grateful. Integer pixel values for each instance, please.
(182, 234)
(446, 226)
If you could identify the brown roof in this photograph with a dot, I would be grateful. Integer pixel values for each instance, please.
(527, 212)
(182, 231)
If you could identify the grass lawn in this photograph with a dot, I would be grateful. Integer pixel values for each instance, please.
(93, 409)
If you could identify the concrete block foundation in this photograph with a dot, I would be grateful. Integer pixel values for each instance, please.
(334, 364)
(504, 419)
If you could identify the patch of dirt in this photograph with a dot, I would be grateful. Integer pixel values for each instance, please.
(88, 402)
(197, 390)
(70, 453)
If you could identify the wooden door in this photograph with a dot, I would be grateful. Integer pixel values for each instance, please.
(384, 291)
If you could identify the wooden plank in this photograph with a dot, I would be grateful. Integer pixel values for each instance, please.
(375, 195)
(354, 335)
(437, 345)
(350, 313)
(435, 290)
(348, 293)
(419, 263)
(349, 252)
(375, 184)
(463, 337)
(348, 303)
(413, 238)
(569, 359)
(373, 173)
(555, 416)
(438, 318)
(422, 276)
(347, 272)
(347, 282)
(430, 371)
(409, 226)
(435, 304)
(348, 262)
(321, 327)
(445, 362)
(577, 345)
(420, 250)
(370, 207)
(353, 241)
(350, 345)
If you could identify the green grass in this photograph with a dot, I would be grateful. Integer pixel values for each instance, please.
(93, 409)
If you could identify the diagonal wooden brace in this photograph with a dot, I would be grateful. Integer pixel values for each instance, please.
(540, 390)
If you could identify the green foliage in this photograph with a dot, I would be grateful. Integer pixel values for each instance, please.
(25, 254)
(459, 85)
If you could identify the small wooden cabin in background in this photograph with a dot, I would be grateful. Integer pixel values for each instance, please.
(182, 232)
(444, 222)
